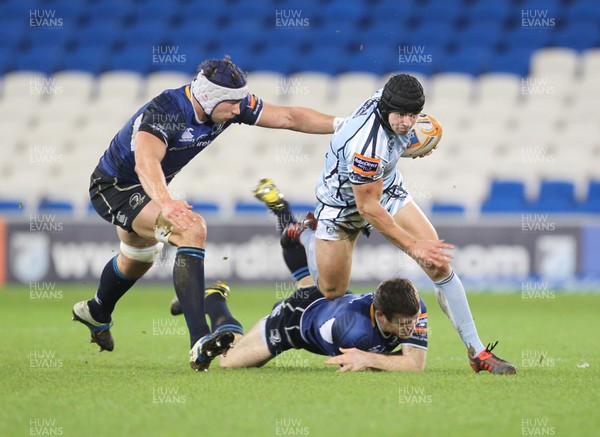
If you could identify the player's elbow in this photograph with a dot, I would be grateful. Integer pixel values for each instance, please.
(366, 210)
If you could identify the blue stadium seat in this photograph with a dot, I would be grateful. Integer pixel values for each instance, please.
(432, 34)
(190, 32)
(447, 208)
(243, 207)
(132, 58)
(527, 39)
(12, 32)
(143, 33)
(50, 38)
(387, 14)
(592, 200)
(480, 35)
(7, 59)
(48, 206)
(246, 34)
(332, 12)
(320, 59)
(556, 196)
(472, 61)
(107, 10)
(483, 11)
(11, 207)
(91, 59)
(579, 36)
(582, 11)
(278, 59)
(202, 207)
(97, 35)
(43, 59)
(505, 196)
(513, 61)
(431, 13)
(378, 60)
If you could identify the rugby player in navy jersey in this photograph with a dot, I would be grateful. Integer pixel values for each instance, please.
(358, 331)
(128, 188)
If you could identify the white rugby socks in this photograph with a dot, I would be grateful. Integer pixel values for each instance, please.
(458, 310)
(307, 238)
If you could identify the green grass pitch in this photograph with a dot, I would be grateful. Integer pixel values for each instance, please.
(55, 383)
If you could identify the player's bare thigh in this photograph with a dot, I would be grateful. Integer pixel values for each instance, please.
(334, 263)
(414, 221)
(249, 351)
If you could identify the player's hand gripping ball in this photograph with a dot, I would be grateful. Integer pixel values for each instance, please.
(423, 137)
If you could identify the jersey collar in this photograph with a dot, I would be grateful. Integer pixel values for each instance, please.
(189, 96)
(375, 322)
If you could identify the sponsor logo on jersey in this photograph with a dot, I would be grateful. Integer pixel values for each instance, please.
(217, 129)
(122, 218)
(364, 165)
(274, 337)
(187, 135)
(135, 200)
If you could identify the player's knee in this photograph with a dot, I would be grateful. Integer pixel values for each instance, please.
(331, 292)
(134, 262)
(197, 231)
(193, 235)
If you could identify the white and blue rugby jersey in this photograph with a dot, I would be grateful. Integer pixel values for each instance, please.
(349, 321)
(360, 151)
(171, 117)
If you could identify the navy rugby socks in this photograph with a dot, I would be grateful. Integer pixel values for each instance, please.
(295, 260)
(188, 279)
(284, 216)
(113, 285)
(220, 316)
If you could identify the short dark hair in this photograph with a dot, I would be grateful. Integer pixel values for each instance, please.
(396, 297)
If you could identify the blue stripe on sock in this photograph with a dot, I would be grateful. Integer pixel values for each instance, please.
(302, 272)
(446, 280)
(117, 271)
(192, 251)
(234, 328)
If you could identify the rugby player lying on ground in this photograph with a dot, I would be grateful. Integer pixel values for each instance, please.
(358, 331)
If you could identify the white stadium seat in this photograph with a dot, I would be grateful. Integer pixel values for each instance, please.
(74, 85)
(124, 86)
(313, 90)
(456, 87)
(159, 81)
(498, 89)
(267, 86)
(555, 61)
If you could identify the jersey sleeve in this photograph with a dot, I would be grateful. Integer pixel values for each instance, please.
(163, 118)
(364, 155)
(419, 337)
(349, 331)
(250, 110)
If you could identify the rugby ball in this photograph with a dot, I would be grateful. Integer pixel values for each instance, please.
(423, 137)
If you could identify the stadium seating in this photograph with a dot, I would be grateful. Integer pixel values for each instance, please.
(514, 100)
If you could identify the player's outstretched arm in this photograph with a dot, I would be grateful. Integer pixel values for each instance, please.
(355, 360)
(296, 118)
(424, 251)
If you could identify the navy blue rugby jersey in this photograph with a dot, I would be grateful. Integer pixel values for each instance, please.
(349, 322)
(170, 116)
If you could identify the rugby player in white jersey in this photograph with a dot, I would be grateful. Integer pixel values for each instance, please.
(361, 188)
